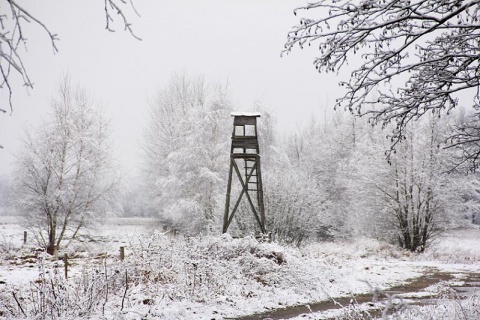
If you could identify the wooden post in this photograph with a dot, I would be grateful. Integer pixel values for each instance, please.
(24, 237)
(65, 265)
(122, 253)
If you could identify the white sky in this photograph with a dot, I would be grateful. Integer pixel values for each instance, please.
(236, 40)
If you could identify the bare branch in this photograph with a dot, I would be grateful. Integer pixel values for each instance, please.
(13, 40)
(112, 5)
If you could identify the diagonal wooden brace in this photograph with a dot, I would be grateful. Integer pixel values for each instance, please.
(244, 191)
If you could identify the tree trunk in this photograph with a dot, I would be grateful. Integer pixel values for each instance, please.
(52, 234)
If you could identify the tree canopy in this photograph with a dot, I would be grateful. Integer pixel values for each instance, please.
(417, 56)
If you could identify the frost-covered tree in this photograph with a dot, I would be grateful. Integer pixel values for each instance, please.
(464, 198)
(321, 151)
(367, 168)
(63, 173)
(14, 17)
(413, 196)
(419, 55)
(186, 148)
(294, 205)
(466, 140)
(305, 181)
(4, 194)
(413, 190)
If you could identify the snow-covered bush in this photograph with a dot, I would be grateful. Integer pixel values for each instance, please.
(456, 308)
(160, 271)
(182, 277)
(293, 205)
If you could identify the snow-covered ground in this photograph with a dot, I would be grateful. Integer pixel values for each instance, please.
(211, 277)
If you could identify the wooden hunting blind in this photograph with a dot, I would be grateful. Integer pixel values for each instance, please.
(245, 161)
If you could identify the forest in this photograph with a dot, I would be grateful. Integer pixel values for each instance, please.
(330, 180)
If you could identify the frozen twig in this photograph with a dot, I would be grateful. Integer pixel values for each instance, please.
(112, 5)
(126, 289)
(18, 303)
(106, 286)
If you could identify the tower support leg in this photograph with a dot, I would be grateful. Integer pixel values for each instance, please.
(227, 202)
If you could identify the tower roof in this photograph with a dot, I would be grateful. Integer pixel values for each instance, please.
(245, 114)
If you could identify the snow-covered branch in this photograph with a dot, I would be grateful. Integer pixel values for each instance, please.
(14, 17)
(116, 7)
(11, 40)
(418, 55)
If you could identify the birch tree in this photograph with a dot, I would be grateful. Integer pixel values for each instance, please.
(15, 16)
(64, 173)
(413, 57)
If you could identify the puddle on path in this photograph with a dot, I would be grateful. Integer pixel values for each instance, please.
(414, 291)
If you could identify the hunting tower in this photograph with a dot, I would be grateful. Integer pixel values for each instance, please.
(245, 160)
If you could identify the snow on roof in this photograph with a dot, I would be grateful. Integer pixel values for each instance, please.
(245, 114)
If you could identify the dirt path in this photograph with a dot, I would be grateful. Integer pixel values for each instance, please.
(467, 284)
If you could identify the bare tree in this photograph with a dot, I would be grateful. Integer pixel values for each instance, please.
(63, 174)
(419, 55)
(14, 17)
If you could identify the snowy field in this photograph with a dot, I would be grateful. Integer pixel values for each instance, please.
(168, 277)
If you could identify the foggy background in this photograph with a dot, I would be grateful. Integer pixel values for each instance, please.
(239, 42)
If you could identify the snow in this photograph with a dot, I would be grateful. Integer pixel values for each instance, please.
(245, 114)
(216, 277)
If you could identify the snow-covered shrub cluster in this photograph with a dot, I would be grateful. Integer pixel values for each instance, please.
(159, 276)
(395, 308)
(191, 277)
(6, 248)
(51, 296)
(456, 308)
